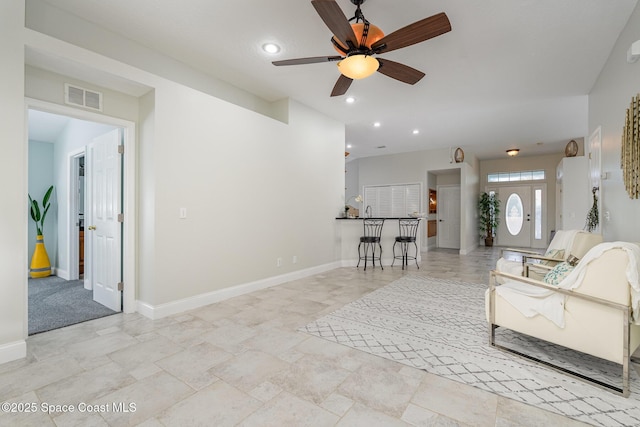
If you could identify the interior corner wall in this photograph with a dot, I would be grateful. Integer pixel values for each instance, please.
(609, 99)
(13, 192)
(469, 190)
(146, 199)
(254, 190)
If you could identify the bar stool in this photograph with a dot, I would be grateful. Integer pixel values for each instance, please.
(371, 238)
(408, 231)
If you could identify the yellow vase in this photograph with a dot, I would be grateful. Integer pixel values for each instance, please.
(40, 264)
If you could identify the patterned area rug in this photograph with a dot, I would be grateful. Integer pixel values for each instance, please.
(440, 326)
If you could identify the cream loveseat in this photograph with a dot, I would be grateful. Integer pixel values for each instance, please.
(595, 309)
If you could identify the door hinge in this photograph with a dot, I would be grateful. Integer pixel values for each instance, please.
(120, 217)
(120, 286)
(120, 149)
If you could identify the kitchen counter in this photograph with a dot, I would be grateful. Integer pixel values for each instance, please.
(349, 230)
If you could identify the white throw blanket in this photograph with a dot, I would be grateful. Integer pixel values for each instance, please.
(531, 301)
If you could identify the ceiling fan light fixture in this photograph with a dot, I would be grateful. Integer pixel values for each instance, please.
(513, 152)
(358, 66)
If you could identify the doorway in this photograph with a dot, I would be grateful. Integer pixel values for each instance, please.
(448, 216)
(71, 199)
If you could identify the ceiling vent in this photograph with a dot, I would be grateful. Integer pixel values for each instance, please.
(81, 97)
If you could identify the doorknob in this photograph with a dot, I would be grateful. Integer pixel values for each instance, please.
(91, 227)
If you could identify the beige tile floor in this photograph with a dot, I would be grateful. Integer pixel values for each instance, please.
(242, 362)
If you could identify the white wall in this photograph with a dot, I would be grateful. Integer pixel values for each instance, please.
(254, 188)
(618, 82)
(13, 191)
(40, 179)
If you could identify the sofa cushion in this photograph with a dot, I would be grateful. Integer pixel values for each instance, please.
(553, 253)
(558, 273)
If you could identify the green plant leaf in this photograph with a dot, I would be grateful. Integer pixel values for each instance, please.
(35, 211)
(45, 200)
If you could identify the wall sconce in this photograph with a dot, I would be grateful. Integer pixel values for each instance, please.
(513, 152)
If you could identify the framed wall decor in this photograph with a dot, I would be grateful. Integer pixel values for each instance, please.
(630, 152)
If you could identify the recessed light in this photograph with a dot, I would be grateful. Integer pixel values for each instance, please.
(350, 100)
(416, 131)
(376, 124)
(348, 145)
(271, 48)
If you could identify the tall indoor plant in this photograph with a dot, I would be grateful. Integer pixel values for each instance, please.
(40, 264)
(488, 211)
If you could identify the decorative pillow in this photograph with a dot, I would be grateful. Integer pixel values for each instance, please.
(553, 253)
(558, 273)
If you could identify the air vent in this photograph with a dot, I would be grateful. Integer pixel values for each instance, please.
(81, 97)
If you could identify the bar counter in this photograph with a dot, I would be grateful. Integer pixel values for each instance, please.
(349, 230)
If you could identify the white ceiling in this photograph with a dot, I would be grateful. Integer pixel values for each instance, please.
(511, 73)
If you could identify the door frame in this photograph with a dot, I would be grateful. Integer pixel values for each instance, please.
(74, 234)
(129, 196)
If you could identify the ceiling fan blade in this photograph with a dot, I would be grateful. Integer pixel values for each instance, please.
(400, 72)
(341, 86)
(337, 22)
(311, 60)
(417, 32)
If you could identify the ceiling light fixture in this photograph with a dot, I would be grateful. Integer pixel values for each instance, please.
(513, 152)
(358, 66)
(350, 100)
(271, 48)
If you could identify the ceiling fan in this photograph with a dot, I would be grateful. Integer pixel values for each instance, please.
(358, 42)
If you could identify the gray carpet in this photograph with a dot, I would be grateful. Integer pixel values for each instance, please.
(439, 325)
(55, 303)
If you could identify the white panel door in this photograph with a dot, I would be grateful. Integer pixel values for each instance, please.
(514, 226)
(105, 232)
(449, 216)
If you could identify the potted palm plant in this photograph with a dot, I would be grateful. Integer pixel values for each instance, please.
(40, 264)
(488, 211)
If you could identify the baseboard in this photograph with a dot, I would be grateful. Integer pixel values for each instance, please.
(174, 307)
(63, 274)
(13, 351)
(468, 250)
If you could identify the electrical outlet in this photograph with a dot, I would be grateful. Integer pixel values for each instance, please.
(294, 259)
(279, 262)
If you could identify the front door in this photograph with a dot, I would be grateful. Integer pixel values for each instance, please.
(449, 216)
(104, 231)
(514, 226)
